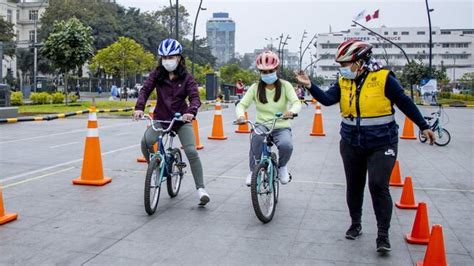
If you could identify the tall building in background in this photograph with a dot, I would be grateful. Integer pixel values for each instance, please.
(452, 48)
(221, 37)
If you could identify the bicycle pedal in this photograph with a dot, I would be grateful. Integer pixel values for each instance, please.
(181, 165)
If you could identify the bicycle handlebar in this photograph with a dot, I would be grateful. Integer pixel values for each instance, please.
(253, 125)
(178, 118)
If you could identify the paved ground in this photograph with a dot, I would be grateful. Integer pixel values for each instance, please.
(64, 224)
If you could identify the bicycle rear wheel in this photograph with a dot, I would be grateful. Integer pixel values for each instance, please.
(173, 182)
(152, 186)
(263, 193)
(442, 137)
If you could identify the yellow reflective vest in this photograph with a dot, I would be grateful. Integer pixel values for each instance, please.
(372, 101)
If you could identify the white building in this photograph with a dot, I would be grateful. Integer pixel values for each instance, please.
(22, 14)
(452, 48)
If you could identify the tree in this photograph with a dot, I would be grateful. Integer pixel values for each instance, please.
(167, 17)
(68, 46)
(6, 36)
(125, 57)
(203, 52)
(230, 73)
(101, 16)
(467, 81)
(200, 71)
(414, 72)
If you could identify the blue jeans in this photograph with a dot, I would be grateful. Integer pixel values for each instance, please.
(281, 138)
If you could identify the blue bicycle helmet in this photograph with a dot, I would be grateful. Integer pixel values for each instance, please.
(169, 47)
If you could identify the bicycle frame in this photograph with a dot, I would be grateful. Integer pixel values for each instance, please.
(266, 158)
(161, 152)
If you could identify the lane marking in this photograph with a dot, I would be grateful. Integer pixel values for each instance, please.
(343, 184)
(62, 164)
(65, 144)
(38, 177)
(62, 133)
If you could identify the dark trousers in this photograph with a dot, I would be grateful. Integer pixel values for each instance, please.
(378, 162)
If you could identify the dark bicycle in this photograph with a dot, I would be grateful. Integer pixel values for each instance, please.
(166, 164)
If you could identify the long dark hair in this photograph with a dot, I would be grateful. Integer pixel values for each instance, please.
(262, 94)
(162, 73)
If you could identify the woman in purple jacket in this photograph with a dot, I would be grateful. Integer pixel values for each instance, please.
(173, 85)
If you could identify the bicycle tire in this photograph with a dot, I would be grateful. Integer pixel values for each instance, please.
(445, 132)
(173, 185)
(152, 172)
(261, 215)
(276, 180)
(421, 137)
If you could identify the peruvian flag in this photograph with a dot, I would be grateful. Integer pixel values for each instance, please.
(373, 16)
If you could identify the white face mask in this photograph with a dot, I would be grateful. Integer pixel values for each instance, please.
(170, 64)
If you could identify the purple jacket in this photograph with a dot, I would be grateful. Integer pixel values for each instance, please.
(171, 96)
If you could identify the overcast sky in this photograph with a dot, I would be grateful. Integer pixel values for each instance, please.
(260, 19)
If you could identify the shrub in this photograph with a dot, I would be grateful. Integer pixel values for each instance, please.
(72, 97)
(16, 98)
(40, 98)
(57, 97)
(202, 93)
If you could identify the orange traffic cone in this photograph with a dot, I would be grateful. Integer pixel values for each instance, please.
(5, 217)
(318, 129)
(92, 172)
(407, 200)
(435, 253)
(142, 159)
(199, 146)
(244, 128)
(395, 178)
(217, 126)
(420, 232)
(408, 130)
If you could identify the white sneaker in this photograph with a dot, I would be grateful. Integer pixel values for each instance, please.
(203, 197)
(284, 175)
(248, 180)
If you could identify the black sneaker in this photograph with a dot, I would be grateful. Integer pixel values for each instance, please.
(354, 232)
(383, 244)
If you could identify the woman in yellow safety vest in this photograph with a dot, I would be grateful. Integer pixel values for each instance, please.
(366, 94)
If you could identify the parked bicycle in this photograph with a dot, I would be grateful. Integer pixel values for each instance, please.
(442, 134)
(264, 187)
(165, 164)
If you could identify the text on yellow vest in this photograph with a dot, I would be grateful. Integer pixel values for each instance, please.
(372, 100)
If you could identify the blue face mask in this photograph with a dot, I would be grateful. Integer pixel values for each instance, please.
(347, 73)
(269, 78)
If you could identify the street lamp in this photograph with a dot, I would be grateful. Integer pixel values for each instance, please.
(283, 49)
(301, 47)
(271, 42)
(177, 20)
(194, 34)
(428, 11)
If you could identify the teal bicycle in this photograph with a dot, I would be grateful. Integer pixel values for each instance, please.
(265, 185)
(166, 164)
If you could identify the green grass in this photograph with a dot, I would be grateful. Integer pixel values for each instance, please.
(72, 107)
(449, 101)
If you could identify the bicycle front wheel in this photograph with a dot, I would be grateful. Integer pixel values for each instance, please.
(421, 137)
(442, 137)
(152, 186)
(173, 182)
(263, 193)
